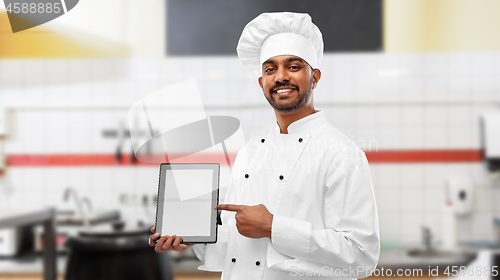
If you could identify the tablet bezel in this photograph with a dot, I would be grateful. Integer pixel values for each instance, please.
(215, 167)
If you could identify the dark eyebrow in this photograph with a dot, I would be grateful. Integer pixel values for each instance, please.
(291, 59)
(269, 61)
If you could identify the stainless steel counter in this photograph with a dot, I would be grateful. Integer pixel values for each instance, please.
(46, 217)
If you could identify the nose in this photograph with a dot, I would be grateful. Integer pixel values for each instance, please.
(281, 75)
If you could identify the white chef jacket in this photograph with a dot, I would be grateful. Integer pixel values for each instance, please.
(316, 183)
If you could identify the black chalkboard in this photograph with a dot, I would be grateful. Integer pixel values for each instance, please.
(213, 27)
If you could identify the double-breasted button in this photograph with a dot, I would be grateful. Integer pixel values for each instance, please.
(257, 263)
(281, 177)
(300, 140)
(233, 259)
(262, 140)
(246, 175)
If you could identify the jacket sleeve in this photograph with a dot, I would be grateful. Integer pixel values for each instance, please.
(350, 236)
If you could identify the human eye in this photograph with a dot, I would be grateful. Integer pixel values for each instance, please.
(294, 67)
(269, 70)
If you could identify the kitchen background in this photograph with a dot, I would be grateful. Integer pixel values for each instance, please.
(415, 107)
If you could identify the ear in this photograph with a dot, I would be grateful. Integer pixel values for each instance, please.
(316, 76)
(260, 82)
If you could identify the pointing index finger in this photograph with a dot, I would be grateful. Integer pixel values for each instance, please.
(229, 207)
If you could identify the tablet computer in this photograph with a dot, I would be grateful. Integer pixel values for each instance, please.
(187, 195)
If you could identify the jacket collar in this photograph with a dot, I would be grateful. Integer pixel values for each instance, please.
(304, 125)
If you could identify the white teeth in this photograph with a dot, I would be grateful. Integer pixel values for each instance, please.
(283, 90)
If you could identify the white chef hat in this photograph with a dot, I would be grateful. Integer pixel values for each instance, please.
(285, 33)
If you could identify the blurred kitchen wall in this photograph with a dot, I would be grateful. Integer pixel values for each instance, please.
(410, 107)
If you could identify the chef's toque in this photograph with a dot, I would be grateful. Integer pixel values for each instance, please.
(272, 34)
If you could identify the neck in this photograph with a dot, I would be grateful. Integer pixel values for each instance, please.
(285, 119)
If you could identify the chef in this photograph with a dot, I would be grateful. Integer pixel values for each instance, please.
(300, 202)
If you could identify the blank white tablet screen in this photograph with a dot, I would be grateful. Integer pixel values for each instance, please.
(188, 202)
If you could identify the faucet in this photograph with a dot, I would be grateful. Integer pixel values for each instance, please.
(70, 191)
(427, 238)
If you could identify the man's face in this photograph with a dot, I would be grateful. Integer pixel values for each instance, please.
(288, 82)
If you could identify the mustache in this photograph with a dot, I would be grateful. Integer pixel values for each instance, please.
(286, 84)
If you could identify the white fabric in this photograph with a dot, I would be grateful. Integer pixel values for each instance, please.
(325, 216)
(267, 25)
(289, 44)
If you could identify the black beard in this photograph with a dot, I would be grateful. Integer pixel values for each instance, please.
(301, 102)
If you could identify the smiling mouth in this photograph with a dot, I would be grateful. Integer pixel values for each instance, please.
(283, 91)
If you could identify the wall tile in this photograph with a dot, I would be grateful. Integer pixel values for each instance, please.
(460, 115)
(435, 137)
(414, 63)
(146, 69)
(389, 115)
(483, 199)
(460, 88)
(411, 199)
(459, 64)
(12, 71)
(79, 70)
(390, 225)
(80, 94)
(322, 93)
(412, 115)
(388, 199)
(341, 115)
(411, 226)
(436, 88)
(389, 90)
(342, 65)
(98, 94)
(57, 142)
(56, 71)
(435, 64)
(434, 176)
(389, 176)
(482, 64)
(483, 88)
(34, 71)
(412, 176)
(412, 137)
(34, 96)
(79, 141)
(436, 114)
(367, 138)
(102, 69)
(100, 179)
(460, 137)
(366, 89)
(412, 88)
(35, 140)
(342, 90)
(57, 94)
(482, 226)
(389, 137)
(366, 115)
(34, 178)
(367, 65)
(434, 200)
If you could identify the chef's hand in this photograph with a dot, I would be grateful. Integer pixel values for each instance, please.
(251, 221)
(167, 243)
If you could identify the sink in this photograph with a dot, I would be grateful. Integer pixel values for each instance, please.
(66, 218)
(420, 258)
(424, 253)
